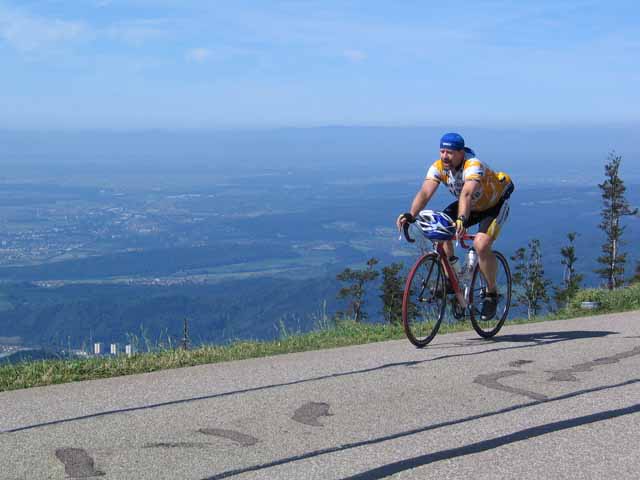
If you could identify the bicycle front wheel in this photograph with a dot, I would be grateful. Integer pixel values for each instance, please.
(424, 300)
(488, 327)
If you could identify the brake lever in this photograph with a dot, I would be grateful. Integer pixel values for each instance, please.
(405, 230)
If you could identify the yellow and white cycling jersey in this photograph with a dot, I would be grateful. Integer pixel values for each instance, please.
(492, 184)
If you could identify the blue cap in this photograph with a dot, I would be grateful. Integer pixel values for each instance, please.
(452, 141)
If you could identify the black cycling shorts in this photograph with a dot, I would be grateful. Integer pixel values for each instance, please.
(491, 220)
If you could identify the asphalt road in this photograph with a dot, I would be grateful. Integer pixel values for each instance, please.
(546, 400)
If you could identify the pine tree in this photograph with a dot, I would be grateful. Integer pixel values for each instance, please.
(392, 291)
(529, 276)
(571, 280)
(614, 208)
(636, 277)
(355, 292)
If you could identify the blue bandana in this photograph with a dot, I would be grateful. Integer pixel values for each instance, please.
(452, 141)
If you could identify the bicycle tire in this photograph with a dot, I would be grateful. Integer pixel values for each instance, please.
(489, 328)
(422, 314)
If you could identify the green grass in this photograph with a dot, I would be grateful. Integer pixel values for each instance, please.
(327, 335)
(618, 300)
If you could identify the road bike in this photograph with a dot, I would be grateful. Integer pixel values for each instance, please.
(433, 282)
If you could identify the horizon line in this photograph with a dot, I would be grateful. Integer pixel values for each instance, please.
(275, 128)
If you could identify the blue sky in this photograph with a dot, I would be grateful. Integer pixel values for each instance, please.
(236, 63)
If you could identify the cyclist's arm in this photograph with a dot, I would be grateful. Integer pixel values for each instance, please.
(464, 202)
(429, 187)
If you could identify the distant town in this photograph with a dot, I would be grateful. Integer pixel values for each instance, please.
(40, 227)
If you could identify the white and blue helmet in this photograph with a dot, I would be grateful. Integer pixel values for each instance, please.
(436, 225)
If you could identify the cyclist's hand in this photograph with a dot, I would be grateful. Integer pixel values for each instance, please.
(460, 230)
(404, 218)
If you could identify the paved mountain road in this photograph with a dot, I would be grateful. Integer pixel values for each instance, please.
(546, 400)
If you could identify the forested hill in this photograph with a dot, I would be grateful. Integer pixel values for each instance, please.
(255, 309)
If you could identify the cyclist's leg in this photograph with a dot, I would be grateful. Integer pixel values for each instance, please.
(448, 248)
(452, 211)
(486, 259)
(490, 225)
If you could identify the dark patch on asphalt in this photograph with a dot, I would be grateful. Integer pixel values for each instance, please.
(310, 412)
(568, 374)
(240, 438)
(77, 463)
(177, 445)
(491, 381)
(519, 363)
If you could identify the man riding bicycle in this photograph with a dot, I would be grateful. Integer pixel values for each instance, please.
(482, 199)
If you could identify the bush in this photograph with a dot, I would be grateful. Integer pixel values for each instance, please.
(627, 298)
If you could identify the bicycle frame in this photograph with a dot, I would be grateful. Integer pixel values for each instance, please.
(463, 299)
(450, 272)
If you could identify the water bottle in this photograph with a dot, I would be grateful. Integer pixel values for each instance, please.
(472, 259)
(467, 271)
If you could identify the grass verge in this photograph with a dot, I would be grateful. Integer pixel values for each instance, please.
(344, 333)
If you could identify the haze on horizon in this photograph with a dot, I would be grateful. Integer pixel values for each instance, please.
(317, 155)
(183, 64)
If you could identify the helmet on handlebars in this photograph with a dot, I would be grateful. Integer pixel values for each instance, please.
(436, 225)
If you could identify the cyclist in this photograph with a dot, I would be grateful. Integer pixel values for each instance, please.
(482, 198)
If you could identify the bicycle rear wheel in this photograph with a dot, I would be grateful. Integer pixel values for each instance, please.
(489, 327)
(424, 300)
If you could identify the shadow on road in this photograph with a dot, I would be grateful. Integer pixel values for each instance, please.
(536, 338)
(526, 434)
(552, 337)
(524, 340)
